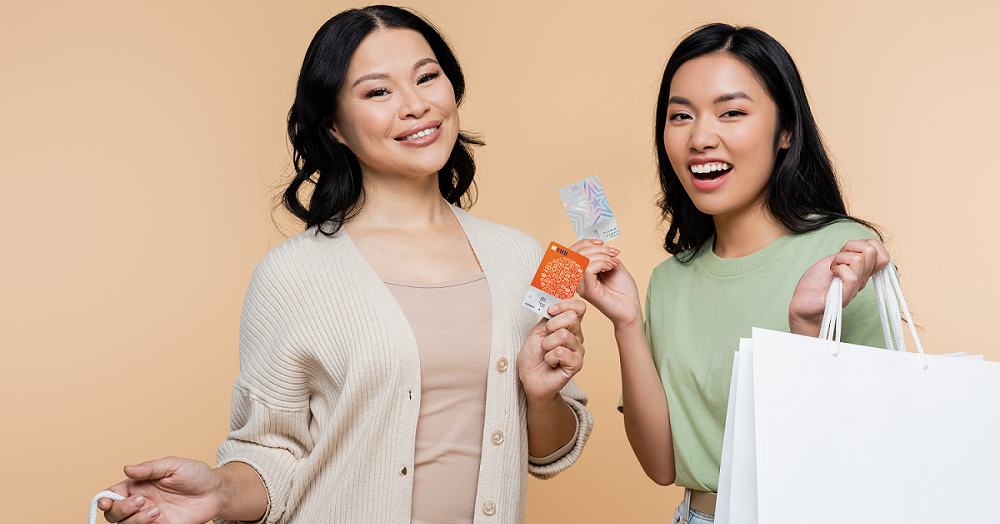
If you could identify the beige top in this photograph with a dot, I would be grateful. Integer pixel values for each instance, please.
(451, 322)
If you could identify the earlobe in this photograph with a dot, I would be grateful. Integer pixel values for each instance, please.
(786, 139)
(332, 127)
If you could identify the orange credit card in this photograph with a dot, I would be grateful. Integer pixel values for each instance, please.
(557, 277)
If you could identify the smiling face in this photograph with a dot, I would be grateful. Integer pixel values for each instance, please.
(396, 110)
(719, 135)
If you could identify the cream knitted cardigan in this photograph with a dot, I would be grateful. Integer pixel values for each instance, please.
(325, 406)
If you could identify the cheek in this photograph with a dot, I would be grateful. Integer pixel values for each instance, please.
(676, 146)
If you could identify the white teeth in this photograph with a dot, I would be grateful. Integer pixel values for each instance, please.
(421, 134)
(708, 168)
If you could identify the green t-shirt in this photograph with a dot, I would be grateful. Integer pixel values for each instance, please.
(696, 312)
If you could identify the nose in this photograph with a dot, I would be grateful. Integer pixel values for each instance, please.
(703, 135)
(413, 105)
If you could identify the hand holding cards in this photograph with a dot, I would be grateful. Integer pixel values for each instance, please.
(557, 277)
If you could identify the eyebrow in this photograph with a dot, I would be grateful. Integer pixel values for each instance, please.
(380, 76)
(737, 95)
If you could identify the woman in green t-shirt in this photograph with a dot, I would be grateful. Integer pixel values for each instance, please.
(758, 229)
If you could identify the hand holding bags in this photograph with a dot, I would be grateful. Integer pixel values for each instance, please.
(824, 431)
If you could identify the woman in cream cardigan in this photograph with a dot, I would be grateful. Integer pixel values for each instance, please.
(388, 373)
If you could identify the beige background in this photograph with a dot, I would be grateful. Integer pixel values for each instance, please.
(141, 142)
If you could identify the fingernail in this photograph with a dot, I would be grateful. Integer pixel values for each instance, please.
(552, 310)
(613, 251)
(139, 501)
(153, 513)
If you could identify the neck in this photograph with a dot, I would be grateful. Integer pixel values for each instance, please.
(744, 235)
(401, 203)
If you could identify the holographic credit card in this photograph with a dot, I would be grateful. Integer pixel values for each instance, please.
(588, 210)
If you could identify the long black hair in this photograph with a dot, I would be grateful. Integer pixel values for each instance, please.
(802, 192)
(319, 158)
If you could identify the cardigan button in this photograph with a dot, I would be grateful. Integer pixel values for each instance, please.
(403, 471)
(502, 364)
(497, 437)
(489, 508)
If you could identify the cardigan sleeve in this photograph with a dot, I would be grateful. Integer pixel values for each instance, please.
(269, 422)
(566, 456)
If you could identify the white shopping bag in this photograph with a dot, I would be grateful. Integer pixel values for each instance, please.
(822, 431)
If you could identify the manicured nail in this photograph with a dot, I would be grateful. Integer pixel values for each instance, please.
(139, 501)
(153, 513)
(552, 310)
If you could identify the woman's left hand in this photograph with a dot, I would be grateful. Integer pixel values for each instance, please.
(553, 351)
(856, 262)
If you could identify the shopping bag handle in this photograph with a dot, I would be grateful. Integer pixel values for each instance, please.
(889, 295)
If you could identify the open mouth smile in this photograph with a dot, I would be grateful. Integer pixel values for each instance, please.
(711, 170)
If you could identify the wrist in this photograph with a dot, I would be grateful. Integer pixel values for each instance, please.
(545, 400)
(222, 490)
(239, 492)
(630, 325)
(800, 325)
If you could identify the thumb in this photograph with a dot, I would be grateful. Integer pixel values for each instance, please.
(539, 330)
(151, 470)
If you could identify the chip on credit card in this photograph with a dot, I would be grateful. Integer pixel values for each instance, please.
(557, 278)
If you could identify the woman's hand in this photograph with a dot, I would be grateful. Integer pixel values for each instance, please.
(608, 285)
(551, 355)
(553, 351)
(856, 262)
(175, 490)
(170, 490)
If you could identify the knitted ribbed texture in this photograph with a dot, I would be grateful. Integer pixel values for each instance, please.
(326, 403)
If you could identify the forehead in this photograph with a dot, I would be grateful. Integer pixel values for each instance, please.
(709, 76)
(387, 49)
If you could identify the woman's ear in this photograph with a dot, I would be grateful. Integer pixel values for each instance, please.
(332, 127)
(785, 140)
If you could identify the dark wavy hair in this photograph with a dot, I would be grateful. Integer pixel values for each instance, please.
(802, 192)
(320, 159)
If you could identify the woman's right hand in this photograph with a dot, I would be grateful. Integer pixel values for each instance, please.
(171, 490)
(608, 285)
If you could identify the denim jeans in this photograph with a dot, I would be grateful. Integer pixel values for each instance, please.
(685, 515)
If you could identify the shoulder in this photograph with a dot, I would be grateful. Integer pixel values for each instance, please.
(834, 235)
(294, 250)
(295, 262)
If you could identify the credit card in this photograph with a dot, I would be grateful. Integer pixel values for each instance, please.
(557, 277)
(588, 210)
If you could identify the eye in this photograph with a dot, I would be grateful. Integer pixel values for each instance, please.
(680, 116)
(427, 77)
(733, 113)
(381, 91)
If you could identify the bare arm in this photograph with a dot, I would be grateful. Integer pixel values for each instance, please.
(647, 417)
(612, 290)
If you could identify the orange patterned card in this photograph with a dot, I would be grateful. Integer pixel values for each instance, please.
(557, 277)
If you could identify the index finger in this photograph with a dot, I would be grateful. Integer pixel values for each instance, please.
(580, 244)
(881, 253)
